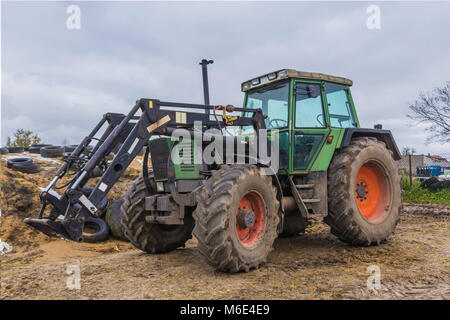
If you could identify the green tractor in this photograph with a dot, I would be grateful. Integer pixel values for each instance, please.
(328, 167)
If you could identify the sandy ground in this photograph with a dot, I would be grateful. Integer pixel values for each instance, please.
(414, 264)
(19, 198)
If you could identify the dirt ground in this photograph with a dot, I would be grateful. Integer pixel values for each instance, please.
(19, 199)
(414, 264)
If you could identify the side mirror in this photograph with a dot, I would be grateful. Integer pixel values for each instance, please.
(312, 91)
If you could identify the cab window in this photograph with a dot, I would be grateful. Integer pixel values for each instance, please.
(339, 106)
(308, 106)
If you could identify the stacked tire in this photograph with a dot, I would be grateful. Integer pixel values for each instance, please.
(16, 149)
(52, 151)
(23, 164)
(36, 148)
(434, 184)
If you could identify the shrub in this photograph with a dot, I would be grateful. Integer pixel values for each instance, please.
(416, 194)
(23, 138)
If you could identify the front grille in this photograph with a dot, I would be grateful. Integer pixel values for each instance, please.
(187, 156)
(159, 152)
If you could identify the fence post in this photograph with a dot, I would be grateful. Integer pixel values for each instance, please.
(410, 171)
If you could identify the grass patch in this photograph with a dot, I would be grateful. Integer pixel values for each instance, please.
(416, 194)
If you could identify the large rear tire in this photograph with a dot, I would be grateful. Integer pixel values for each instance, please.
(364, 193)
(149, 237)
(236, 218)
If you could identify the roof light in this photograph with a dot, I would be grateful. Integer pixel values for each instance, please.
(282, 74)
(255, 82)
(246, 86)
(272, 76)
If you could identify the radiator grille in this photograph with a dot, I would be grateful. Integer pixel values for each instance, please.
(159, 152)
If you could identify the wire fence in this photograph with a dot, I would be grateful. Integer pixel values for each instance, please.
(408, 165)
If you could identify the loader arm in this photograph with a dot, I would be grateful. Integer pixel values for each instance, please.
(122, 132)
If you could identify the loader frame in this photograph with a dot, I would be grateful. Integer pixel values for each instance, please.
(129, 134)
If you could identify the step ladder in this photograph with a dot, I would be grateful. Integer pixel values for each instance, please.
(301, 203)
(307, 186)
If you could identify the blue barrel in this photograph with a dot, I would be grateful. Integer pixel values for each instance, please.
(435, 170)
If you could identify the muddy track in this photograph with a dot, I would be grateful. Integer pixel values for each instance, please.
(414, 264)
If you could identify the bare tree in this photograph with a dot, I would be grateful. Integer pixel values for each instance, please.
(408, 150)
(433, 108)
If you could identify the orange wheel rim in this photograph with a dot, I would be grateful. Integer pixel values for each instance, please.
(372, 191)
(250, 220)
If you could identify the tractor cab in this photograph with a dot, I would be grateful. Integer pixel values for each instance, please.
(310, 110)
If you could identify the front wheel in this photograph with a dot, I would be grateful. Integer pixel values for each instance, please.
(149, 237)
(236, 218)
(364, 193)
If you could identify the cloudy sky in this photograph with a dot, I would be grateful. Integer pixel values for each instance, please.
(58, 82)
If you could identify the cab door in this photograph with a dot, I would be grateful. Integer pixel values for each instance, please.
(310, 127)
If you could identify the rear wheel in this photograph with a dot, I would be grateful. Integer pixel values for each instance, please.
(149, 237)
(236, 218)
(364, 194)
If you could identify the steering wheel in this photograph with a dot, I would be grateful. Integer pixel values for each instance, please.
(277, 122)
(320, 122)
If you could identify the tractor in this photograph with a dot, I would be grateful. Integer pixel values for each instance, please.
(235, 203)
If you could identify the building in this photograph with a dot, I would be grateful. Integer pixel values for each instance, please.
(436, 158)
(417, 160)
(420, 160)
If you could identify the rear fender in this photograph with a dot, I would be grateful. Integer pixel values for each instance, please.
(382, 135)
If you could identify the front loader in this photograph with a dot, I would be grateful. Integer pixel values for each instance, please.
(230, 196)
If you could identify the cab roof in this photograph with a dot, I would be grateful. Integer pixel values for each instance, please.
(290, 73)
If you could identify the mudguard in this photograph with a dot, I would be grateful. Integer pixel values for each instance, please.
(382, 135)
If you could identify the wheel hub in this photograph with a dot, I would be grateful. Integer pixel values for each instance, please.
(245, 218)
(250, 218)
(375, 206)
(361, 191)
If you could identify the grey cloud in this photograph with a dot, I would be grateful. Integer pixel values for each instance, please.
(59, 82)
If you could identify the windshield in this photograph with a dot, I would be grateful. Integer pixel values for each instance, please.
(273, 101)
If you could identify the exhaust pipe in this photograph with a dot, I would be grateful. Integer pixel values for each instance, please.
(204, 63)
